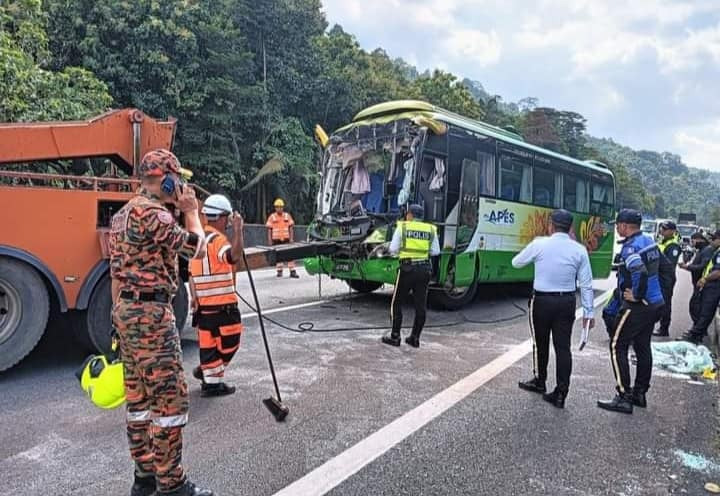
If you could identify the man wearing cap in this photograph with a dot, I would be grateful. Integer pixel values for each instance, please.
(414, 242)
(214, 300)
(561, 266)
(642, 300)
(145, 241)
(709, 287)
(671, 250)
(703, 253)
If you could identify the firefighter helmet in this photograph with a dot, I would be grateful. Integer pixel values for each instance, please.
(278, 202)
(103, 381)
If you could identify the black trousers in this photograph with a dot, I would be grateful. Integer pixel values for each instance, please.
(695, 304)
(709, 299)
(666, 312)
(415, 278)
(552, 315)
(634, 327)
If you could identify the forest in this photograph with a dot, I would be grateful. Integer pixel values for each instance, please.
(249, 80)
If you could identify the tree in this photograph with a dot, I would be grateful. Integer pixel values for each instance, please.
(444, 90)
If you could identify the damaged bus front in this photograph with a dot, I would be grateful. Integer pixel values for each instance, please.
(462, 173)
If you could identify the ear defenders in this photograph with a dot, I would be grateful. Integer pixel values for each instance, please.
(168, 184)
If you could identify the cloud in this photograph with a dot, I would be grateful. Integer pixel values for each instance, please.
(700, 145)
(645, 73)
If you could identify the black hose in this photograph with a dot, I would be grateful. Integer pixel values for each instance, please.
(309, 326)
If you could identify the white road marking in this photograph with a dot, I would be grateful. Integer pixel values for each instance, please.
(291, 307)
(336, 470)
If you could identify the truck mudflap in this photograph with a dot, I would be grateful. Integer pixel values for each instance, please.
(267, 256)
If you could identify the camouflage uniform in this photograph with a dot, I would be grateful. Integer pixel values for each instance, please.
(145, 244)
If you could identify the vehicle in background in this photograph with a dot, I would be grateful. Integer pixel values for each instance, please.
(487, 190)
(60, 184)
(651, 227)
(685, 231)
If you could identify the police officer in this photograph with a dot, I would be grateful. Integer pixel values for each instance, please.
(214, 300)
(709, 287)
(703, 253)
(145, 243)
(612, 306)
(671, 251)
(414, 242)
(639, 286)
(561, 266)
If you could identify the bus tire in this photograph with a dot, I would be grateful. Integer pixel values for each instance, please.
(363, 286)
(443, 299)
(94, 325)
(24, 309)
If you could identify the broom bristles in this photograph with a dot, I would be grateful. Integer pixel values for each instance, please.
(272, 166)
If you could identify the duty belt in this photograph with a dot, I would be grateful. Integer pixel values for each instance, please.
(554, 293)
(155, 296)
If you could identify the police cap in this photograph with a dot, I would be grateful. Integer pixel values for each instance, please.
(668, 224)
(561, 218)
(629, 216)
(417, 211)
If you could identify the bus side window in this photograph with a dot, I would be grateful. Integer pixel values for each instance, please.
(546, 188)
(602, 198)
(515, 179)
(575, 194)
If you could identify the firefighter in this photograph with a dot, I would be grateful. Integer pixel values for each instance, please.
(280, 226)
(214, 301)
(639, 288)
(145, 243)
(671, 250)
(414, 242)
(709, 287)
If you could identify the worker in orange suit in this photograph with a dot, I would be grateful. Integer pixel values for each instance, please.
(214, 300)
(280, 226)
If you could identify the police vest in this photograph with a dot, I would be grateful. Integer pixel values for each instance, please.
(665, 244)
(711, 263)
(416, 239)
(213, 277)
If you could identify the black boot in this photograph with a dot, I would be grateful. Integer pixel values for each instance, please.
(188, 489)
(638, 399)
(556, 398)
(391, 339)
(143, 486)
(661, 333)
(620, 403)
(534, 385)
(294, 274)
(690, 338)
(220, 389)
(413, 341)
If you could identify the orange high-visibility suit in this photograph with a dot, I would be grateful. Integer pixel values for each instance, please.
(280, 225)
(219, 320)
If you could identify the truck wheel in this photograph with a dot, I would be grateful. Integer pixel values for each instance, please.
(24, 308)
(94, 325)
(363, 286)
(452, 299)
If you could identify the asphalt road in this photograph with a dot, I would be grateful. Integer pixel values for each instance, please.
(359, 412)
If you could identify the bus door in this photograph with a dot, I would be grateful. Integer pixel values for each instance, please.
(465, 254)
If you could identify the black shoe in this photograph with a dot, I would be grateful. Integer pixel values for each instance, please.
(413, 341)
(690, 338)
(638, 399)
(390, 339)
(198, 374)
(294, 274)
(143, 486)
(220, 389)
(620, 403)
(279, 273)
(662, 333)
(534, 385)
(556, 398)
(188, 489)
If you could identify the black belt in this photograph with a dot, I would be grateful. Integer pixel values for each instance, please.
(145, 296)
(410, 261)
(218, 308)
(554, 293)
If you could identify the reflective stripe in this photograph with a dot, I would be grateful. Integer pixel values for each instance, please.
(172, 421)
(217, 278)
(213, 379)
(215, 291)
(710, 264)
(532, 333)
(213, 371)
(222, 252)
(141, 416)
(616, 367)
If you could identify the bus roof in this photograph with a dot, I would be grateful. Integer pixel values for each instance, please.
(383, 113)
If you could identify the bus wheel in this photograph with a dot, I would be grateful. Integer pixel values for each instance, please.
(363, 286)
(452, 299)
(24, 308)
(94, 325)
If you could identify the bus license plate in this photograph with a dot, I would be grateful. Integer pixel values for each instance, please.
(343, 266)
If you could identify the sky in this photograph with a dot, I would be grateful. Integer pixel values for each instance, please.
(643, 72)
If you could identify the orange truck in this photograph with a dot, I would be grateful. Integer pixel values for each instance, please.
(54, 226)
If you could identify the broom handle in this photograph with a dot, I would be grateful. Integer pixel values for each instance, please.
(262, 325)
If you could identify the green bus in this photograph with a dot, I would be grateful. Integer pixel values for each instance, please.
(487, 190)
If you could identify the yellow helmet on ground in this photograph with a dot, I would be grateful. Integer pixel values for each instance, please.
(278, 202)
(103, 381)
